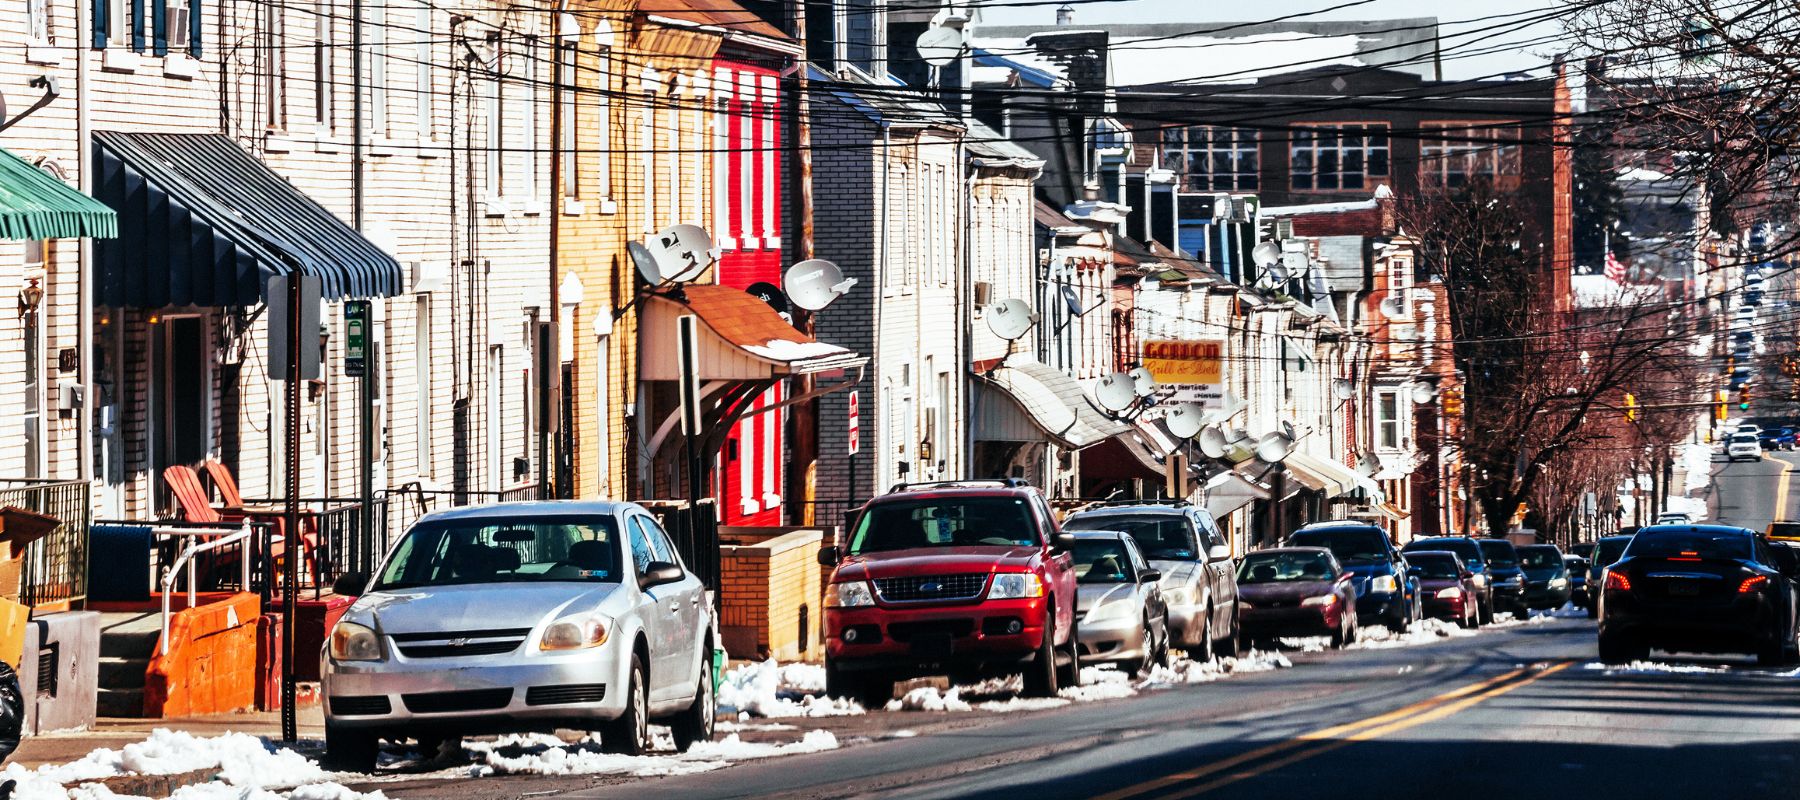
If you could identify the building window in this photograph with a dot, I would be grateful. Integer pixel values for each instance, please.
(1210, 158)
(721, 147)
(424, 75)
(1452, 153)
(527, 139)
(275, 94)
(37, 21)
(324, 47)
(378, 69)
(118, 23)
(1331, 157)
(496, 132)
(601, 99)
(647, 149)
(30, 318)
(675, 100)
(747, 119)
(422, 382)
(566, 52)
(1387, 419)
(769, 179)
(603, 414)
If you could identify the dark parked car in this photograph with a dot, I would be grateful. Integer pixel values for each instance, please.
(1198, 577)
(1776, 438)
(1505, 575)
(1784, 531)
(1606, 551)
(1297, 591)
(1546, 576)
(1585, 550)
(1578, 585)
(1469, 550)
(1704, 589)
(1384, 592)
(1448, 587)
(1123, 618)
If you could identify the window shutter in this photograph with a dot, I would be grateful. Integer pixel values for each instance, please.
(159, 26)
(101, 19)
(137, 25)
(197, 23)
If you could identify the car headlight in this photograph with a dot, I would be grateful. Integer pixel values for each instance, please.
(1326, 600)
(1015, 585)
(1480, 580)
(1114, 610)
(353, 642)
(1178, 595)
(1384, 583)
(1450, 593)
(850, 594)
(1558, 583)
(575, 632)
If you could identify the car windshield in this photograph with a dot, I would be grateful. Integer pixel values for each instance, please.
(945, 522)
(1540, 557)
(1608, 551)
(1743, 438)
(1280, 567)
(1435, 566)
(1690, 543)
(1101, 561)
(1500, 554)
(1351, 545)
(1466, 548)
(1784, 529)
(512, 550)
(1164, 536)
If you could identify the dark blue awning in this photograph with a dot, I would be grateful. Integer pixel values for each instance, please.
(202, 222)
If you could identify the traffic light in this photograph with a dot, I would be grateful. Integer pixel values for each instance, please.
(1453, 401)
(1719, 412)
(1631, 412)
(1744, 399)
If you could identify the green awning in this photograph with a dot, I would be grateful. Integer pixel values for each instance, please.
(35, 205)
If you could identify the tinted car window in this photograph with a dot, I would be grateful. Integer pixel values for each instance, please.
(510, 551)
(1690, 543)
(1539, 557)
(1278, 567)
(1350, 545)
(1467, 549)
(1609, 550)
(1784, 529)
(1500, 554)
(945, 522)
(1102, 561)
(1165, 536)
(1434, 566)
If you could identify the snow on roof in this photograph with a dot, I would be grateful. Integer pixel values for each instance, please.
(1142, 61)
(1641, 174)
(1020, 56)
(1320, 208)
(1599, 291)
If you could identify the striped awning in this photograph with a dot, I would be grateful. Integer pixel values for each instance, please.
(35, 205)
(202, 222)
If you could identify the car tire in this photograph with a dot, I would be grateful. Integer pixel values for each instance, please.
(1041, 674)
(1340, 638)
(1617, 649)
(630, 733)
(1069, 674)
(1207, 649)
(1233, 641)
(1487, 612)
(1160, 658)
(350, 749)
(696, 723)
(870, 690)
(440, 749)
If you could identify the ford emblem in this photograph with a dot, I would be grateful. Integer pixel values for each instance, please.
(931, 588)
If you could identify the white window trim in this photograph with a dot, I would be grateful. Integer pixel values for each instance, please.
(649, 83)
(275, 95)
(324, 66)
(771, 425)
(376, 40)
(1398, 422)
(746, 436)
(424, 79)
(40, 46)
(528, 190)
(698, 103)
(676, 99)
(603, 108)
(769, 179)
(721, 147)
(494, 169)
(568, 54)
(747, 119)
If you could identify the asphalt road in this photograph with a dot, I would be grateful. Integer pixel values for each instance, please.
(1751, 493)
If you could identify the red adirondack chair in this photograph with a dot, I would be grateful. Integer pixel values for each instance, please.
(195, 506)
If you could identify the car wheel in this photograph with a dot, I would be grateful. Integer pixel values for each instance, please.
(1041, 674)
(1618, 649)
(1161, 657)
(1204, 651)
(630, 733)
(439, 749)
(1487, 612)
(695, 724)
(1070, 674)
(350, 749)
(1340, 638)
(1233, 642)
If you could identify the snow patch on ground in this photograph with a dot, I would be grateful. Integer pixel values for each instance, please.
(1696, 461)
(538, 754)
(1645, 667)
(1185, 671)
(1097, 683)
(773, 690)
(248, 767)
(1425, 631)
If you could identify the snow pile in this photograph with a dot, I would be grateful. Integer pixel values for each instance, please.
(1097, 683)
(1696, 461)
(538, 754)
(930, 698)
(1694, 507)
(1505, 619)
(1425, 631)
(769, 689)
(1185, 670)
(1646, 667)
(247, 767)
(1568, 611)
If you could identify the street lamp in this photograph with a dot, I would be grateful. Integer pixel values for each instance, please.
(1274, 447)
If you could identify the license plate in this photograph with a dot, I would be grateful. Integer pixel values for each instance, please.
(1683, 590)
(935, 645)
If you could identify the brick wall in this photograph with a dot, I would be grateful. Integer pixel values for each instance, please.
(770, 596)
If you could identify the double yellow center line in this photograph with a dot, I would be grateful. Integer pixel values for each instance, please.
(1300, 748)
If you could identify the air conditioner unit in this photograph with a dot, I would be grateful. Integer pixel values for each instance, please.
(984, 293)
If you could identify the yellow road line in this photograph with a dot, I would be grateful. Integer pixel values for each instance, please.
(1304, 739)
(1367, 733)
(1781, 491)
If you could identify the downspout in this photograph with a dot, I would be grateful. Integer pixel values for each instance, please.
(549, 366)
(965, 315)
(84, 254)
(880, 289)
(356, 114)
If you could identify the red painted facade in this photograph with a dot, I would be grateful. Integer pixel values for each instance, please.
(747, 225)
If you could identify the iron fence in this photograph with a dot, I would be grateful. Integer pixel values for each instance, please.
(695, 530)
(55, 567)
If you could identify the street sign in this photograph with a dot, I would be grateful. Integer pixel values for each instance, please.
(1187, 370)
(356, 337)
(855, 422)
(278, 327)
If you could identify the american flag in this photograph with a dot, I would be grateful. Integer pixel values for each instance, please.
(1615, 269)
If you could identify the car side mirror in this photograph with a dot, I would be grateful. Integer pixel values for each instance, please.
(660, 573)
(350, 584)
(829, 556)
(1150, 576)
(1062, 541)
(1218, 552)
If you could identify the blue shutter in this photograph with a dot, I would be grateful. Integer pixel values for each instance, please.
(196, 24)
(159, 26)
(101, 19)
(137, 24)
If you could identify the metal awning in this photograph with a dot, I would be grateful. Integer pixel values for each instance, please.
(1337, 479)
(1229, 491)
(741, 339)
(1050, 399)
(35, 205)
(202, 222)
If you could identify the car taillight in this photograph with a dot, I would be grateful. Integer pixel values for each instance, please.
(1617, 580)
(1752, 583)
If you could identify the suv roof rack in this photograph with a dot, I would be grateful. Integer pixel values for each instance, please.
(975, 483)
(1141, 501)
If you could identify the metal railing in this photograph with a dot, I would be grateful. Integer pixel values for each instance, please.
(221, 538)
(55, 567)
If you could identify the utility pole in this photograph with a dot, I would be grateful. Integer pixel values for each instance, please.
(290, 544)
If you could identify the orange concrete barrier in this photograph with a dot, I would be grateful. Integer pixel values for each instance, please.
(210, 663)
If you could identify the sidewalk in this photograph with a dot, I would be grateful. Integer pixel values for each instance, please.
(116, 732)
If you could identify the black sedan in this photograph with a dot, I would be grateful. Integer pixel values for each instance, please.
(1701, 589)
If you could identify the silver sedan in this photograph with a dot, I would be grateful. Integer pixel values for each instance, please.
(519, 617)
(1123, 619)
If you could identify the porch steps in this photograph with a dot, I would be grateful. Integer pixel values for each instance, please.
(127, 640)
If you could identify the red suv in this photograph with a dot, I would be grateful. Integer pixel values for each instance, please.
(968, 579)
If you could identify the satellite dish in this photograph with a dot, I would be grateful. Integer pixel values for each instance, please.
(1185, 420)
(1010, 319)
(1115, 392)
(1266, 254)
(1367, 465)
(771, 294)
(681, 252)
(1277, 273)
(1392, 309)
(1343, 389)
(646, 264)
(1142, 382)
(1423, 393)
(939, 46)
(1212, 442)
(1072, 300)
(1274, 447)
(815, 283)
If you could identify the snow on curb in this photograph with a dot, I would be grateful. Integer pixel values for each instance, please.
(1696, 461)
(538, 754)
(249, 767)
(1647, 667)
(772, 690)
(1097, 683)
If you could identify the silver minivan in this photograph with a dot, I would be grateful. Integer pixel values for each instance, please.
(519, 617)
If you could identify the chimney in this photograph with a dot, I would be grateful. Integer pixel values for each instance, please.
(1065, 15)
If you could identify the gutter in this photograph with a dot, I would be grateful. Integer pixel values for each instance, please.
(84, 254)
(880, 289)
